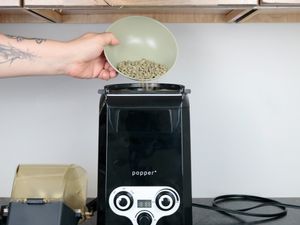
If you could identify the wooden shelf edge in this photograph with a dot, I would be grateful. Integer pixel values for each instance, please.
(257, 14)
(134, 3)
(169, 18)
(275, 18)
(207, 18)
(62, 4)
(280, 3)
(24, 17)
(47, 14)
(244, 16)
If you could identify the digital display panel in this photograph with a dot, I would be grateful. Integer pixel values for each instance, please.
(144, 203)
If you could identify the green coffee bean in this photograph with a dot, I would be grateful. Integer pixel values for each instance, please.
(142, 69)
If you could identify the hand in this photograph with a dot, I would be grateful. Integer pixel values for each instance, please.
(87, 58)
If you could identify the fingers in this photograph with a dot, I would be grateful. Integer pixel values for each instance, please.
(108, 38)
(112, 74)
(102, 69)
(106, 74)
(106, 66)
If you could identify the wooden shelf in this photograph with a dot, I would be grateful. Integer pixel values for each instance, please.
(145, 3)
(167, 11)
(12, 11)
(289, 3)
(163, 14)
(11, 3)
(276, 15)
(65, 3)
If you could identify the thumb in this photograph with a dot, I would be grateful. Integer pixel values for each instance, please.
(108, 38)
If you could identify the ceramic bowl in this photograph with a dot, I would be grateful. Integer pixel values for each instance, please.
(141, 37)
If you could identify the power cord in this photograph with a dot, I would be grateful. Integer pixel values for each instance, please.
(281, 208)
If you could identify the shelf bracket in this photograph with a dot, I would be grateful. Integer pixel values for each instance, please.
(239, 16)
(50, 15)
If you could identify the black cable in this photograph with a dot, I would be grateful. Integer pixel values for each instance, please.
(261, 203)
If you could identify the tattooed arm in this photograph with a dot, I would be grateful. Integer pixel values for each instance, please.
(82, 57)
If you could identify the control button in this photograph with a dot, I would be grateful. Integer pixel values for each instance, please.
(165, 200)
(144, 219)
(123, 201)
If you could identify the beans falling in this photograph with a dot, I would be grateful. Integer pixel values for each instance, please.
(142, 69)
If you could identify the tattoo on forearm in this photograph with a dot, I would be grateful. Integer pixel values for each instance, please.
(8, 54)
(20, 38)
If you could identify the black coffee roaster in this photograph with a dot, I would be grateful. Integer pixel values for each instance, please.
(144, 175)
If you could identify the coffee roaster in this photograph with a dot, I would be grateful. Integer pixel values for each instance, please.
(144, 155)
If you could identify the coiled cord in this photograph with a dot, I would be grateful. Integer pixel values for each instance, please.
(281, 208)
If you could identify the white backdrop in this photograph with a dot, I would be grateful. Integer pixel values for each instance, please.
(245, 107)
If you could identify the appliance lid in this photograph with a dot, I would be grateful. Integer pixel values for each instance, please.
(144, 88)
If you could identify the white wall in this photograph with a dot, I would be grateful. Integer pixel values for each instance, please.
(245, 107)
